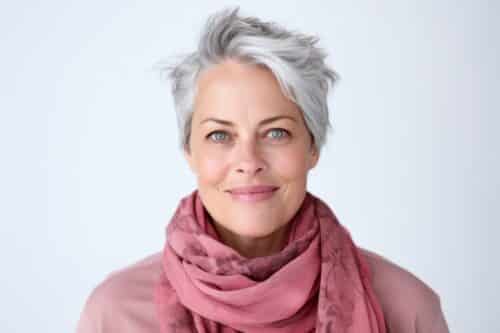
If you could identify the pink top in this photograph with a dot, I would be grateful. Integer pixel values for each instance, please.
(124, 303)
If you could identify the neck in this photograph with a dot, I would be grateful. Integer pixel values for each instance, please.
(253, 247)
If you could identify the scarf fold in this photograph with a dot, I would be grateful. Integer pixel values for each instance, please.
(318, 282)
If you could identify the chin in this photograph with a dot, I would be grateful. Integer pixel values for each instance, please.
(249, 228)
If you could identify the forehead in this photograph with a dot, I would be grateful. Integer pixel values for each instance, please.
(231, 88)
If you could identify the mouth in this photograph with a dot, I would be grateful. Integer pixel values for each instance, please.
(253, 193)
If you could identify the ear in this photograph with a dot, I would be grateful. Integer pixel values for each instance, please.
(313, 156)
(189, 158)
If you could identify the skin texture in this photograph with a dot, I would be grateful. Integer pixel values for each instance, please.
(248, 152)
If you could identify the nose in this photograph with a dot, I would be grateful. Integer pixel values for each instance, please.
(248, 159)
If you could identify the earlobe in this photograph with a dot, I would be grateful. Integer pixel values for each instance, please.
(314, 157)
(189, 159)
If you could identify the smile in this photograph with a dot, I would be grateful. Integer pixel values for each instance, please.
(249, 196)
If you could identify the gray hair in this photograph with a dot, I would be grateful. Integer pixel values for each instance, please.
(293, 58)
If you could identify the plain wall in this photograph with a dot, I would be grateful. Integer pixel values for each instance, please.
(91, 171)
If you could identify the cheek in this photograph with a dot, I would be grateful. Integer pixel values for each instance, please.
(211, 170)
(290, 164)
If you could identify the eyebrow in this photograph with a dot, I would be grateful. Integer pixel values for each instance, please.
(262, 122)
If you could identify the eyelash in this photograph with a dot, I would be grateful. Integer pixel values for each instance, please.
(287, 134)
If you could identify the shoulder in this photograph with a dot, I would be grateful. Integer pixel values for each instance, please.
(408, 303)
(123, 301)
(393, 279)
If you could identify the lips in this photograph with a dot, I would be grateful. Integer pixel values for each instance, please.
(251, 194)
(253, 189)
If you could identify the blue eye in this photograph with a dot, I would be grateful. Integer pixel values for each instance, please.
(217, 136)
(278, 133)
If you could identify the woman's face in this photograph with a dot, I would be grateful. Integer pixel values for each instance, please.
(245, 132)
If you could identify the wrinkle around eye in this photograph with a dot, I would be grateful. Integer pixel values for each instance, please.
(210, 135)
(285, 135)
(281, 130)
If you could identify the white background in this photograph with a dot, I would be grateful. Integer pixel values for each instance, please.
(91, 173)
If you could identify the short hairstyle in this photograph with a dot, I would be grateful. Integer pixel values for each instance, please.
(294, 59)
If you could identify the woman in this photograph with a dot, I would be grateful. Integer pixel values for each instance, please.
(250, 250)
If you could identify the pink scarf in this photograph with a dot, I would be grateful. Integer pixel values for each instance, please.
(318, 282)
